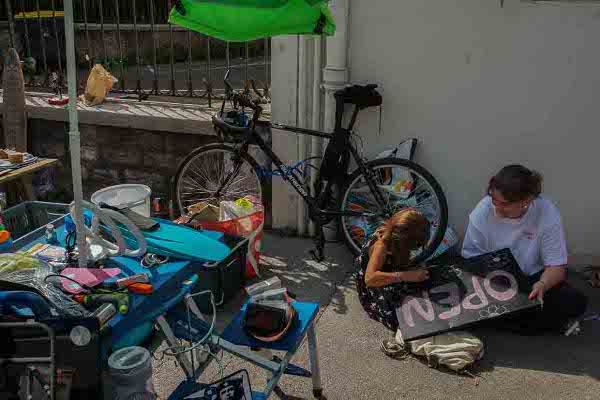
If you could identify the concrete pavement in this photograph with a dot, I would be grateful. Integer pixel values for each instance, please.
(353, 367)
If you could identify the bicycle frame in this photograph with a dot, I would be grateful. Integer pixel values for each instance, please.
(321, 211)
(288, 174)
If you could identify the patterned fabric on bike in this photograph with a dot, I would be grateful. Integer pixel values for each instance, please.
(362, 96)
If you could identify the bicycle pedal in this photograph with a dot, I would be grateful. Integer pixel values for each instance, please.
(317, 257)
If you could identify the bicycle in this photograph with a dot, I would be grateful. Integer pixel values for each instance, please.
(369, 195)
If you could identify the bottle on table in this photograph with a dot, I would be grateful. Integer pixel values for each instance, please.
(51, 236)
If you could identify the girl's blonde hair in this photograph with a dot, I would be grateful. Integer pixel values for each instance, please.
(410, 225)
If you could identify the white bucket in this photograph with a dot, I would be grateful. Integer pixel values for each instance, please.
(136, 197)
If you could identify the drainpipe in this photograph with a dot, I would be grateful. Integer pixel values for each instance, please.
(316, 145)
(335, 73)
(302, 118)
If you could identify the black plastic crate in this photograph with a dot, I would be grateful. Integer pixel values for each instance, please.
(224, 278)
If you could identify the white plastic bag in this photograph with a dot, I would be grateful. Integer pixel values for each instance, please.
(99, 83)
(236, 209)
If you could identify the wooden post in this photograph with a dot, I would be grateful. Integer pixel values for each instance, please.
(14, 118)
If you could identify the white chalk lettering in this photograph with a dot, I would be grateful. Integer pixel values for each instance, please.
(479, 293)
(453, 299)
(409, 303)
(505, 295)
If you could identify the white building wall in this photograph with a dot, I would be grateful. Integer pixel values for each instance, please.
(482, 86)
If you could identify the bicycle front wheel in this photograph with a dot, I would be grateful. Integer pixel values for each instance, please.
(215, 173)
(403, 184)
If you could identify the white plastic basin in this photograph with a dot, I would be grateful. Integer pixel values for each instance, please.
(133, 196)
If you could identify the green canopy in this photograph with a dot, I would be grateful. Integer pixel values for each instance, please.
(243, 20)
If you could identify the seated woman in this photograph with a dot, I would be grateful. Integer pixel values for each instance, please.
(514, 216)
(384, 260)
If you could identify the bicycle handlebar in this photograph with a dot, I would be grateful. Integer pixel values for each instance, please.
(240, 99)
(245, 102)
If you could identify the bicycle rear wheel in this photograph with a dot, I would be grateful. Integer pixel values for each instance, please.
(403, 184)
(210, 168)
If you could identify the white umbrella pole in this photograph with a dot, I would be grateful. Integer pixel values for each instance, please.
(74, 136)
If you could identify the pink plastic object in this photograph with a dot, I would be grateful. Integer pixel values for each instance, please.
(87, 276)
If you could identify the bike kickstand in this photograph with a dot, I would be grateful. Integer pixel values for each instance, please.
(318, 253)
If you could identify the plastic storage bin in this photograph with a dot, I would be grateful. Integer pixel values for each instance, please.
(136, 197)
(224, 278)
(26, 217)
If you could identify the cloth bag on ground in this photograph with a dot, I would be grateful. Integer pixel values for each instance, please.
(454, 350)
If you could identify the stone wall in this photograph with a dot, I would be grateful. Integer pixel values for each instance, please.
(113, 155)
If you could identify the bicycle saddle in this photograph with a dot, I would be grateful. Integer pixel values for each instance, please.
(362, 96)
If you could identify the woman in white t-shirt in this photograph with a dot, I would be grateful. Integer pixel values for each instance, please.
(514, 216)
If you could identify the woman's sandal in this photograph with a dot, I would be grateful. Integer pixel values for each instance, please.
(392, 349)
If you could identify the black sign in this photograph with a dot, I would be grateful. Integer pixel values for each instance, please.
(480, 288)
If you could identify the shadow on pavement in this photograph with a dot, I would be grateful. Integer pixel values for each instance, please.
(573, 355)
(282, 396)
(289, 259)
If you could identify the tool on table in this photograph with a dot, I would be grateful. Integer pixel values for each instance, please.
(133, 287)
(105, 313)
(90, 277)
(120, 300)
(127, 281)
(140, 288)
(124, 283)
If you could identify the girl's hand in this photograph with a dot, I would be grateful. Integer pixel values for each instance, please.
(415, 276)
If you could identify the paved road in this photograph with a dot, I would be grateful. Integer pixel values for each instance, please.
(514, 367)
(199, 70)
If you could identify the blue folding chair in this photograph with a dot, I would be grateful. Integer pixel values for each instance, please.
(234, 340)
